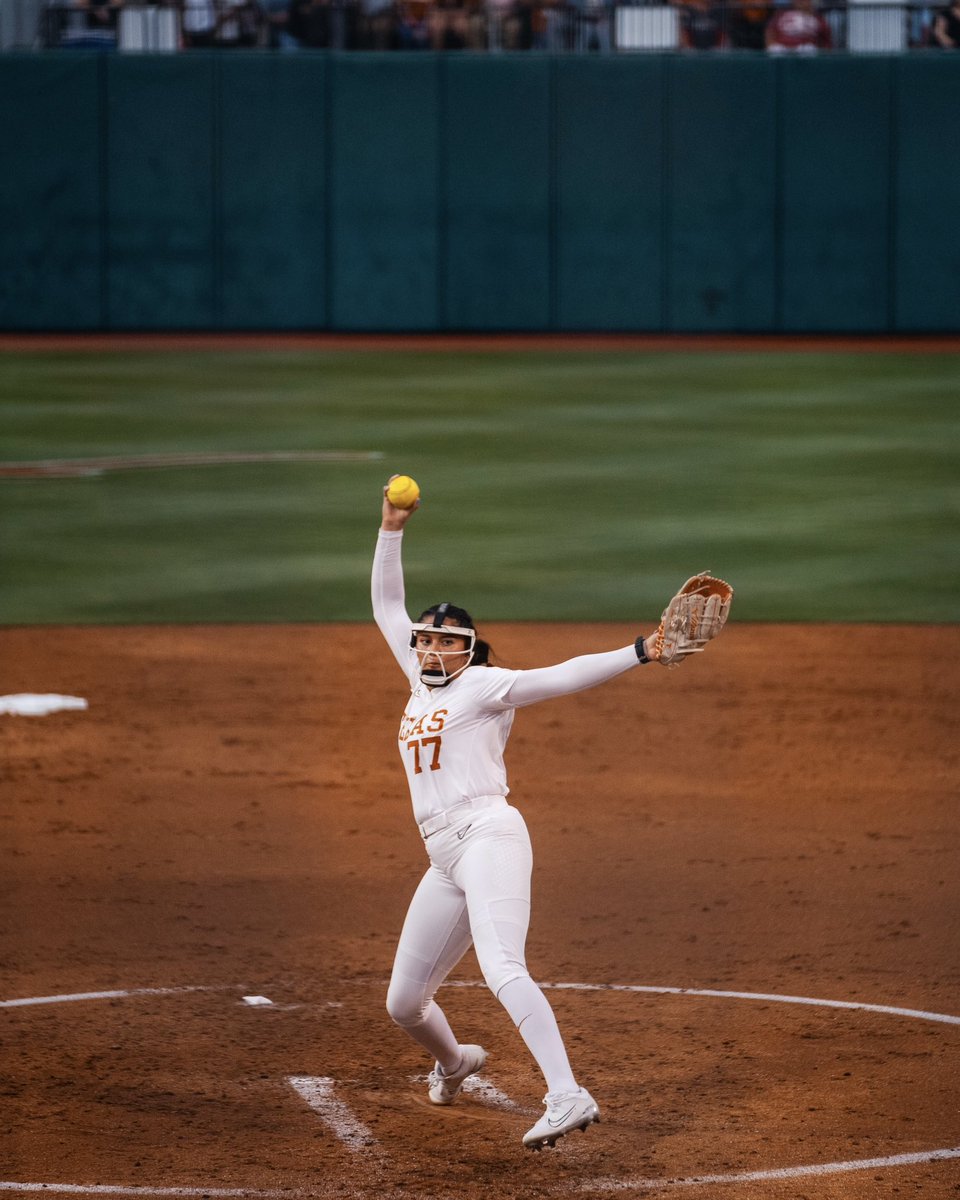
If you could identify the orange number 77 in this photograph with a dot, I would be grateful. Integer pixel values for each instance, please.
(434, 761)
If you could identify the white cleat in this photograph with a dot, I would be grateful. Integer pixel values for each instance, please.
(444, 1089)
(566, 1111)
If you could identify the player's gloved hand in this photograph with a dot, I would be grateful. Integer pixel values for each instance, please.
(694, 616)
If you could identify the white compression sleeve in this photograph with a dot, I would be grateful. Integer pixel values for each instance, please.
(387, 594)
(545, 683)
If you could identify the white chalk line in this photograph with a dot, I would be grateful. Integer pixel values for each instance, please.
(833, 1168)
(486, 1093)
(607, 1185)
(119, 994)
(648, 989)
(769, 997)
(318, 1091)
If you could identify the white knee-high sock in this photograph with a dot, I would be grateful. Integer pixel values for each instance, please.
(530, 1011)
(436, 1037)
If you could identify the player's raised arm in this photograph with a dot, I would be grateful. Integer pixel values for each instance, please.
(386, 584)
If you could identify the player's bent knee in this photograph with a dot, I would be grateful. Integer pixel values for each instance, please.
(406, 1008)
(497, 977)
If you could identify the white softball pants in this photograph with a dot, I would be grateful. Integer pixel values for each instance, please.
(476, 890)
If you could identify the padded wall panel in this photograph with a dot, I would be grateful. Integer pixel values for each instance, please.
(384, 192)
(496, 268)
(835, 148)
(161, 130)
(609, 245)
(927, 195)
(271, 187)
(479, 192)
(50, 192)
(721, 187)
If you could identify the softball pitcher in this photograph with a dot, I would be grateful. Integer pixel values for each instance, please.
(477, 887)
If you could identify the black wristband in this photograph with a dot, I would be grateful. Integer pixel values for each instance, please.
(641, 648)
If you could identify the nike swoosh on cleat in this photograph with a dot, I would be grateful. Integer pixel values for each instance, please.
(560, 1120)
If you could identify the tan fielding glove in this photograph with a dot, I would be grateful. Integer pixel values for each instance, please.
(696, 614)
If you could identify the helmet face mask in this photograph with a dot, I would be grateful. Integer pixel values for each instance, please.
(441, 678)
(435, 625)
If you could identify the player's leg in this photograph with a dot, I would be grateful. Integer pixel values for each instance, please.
(435, 936)
(494, 872)
(495, 875)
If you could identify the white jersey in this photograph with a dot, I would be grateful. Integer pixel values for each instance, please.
(452, 738)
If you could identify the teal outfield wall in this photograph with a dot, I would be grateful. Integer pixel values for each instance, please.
(421, 192)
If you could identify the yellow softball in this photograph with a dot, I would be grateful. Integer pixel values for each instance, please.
(403, 492)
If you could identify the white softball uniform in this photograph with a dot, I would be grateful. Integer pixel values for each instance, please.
(477, 887)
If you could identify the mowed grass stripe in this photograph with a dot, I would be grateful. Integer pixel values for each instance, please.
(556, 486)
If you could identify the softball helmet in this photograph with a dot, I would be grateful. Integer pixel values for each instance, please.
(433, 620)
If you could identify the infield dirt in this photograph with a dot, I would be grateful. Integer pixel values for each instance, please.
(777, 817)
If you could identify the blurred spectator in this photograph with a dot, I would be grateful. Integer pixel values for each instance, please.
(447, 22)
(946, 27)
(83, 24)
(413, 30)
(550, 25)
(701, 25)
(325, 24)
(223, 23)
(101, 15)
(275, 25)
(506, 24)
(476, 24)
(496, 15)
(520, 28)
(600, 23)
(579, 25)
(921, 27)
(198, 24)
(377, 21)
(237, 24)
(747, 25)
(797, 29)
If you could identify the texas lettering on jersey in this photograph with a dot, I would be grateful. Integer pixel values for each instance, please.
(418, 726)
(422, 738)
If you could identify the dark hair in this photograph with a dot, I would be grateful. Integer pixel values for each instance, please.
(481, 649)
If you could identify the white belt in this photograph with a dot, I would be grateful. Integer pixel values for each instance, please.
(449, 816)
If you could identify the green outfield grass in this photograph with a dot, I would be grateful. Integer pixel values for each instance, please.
(556, 485)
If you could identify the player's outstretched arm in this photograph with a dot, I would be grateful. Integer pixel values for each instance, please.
(577, 674)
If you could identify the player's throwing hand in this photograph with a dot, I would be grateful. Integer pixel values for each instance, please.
(395, 518)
